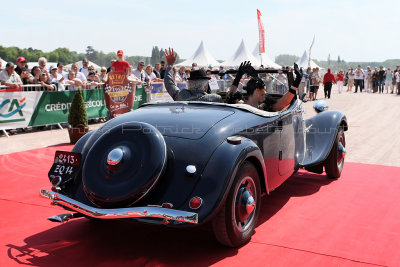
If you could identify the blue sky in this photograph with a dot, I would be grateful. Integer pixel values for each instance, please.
(354, 30)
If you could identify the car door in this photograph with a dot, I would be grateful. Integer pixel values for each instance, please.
(287, 143)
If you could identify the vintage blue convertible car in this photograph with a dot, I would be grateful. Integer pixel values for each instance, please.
(188, 163)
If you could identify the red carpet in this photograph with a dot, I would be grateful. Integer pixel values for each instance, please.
(308, 221)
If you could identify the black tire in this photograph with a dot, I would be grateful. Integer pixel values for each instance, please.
(335, 161)
(227, 223)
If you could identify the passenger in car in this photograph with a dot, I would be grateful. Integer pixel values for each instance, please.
(196, 83)
(257, 92)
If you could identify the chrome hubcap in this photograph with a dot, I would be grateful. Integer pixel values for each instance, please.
(245, 204)
(115, 156)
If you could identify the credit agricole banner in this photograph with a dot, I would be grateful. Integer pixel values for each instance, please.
(22, 109)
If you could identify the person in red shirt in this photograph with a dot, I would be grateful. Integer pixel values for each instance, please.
(120, 64)
(340, 78)
(329, 78)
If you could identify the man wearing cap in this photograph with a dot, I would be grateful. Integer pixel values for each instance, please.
(22, 71)
(9, 77)
(197, 83)
(120, 64)
(56, 78)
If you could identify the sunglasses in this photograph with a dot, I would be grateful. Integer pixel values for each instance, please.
(103, 71)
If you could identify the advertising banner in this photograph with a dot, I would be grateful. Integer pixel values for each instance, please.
(16, 108)
(53, 107)
(118, 93)
(23, 109)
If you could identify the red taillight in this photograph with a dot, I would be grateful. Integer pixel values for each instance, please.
(167, 205)
(195, 203)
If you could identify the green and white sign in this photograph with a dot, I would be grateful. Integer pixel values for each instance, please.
(22, 109)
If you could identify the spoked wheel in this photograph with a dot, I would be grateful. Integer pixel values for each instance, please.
(234, 224)
(335, 161)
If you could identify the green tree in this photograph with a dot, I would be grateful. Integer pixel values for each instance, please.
(286, 60)
(91, 54)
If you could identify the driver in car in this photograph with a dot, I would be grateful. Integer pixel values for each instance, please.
(257, 92)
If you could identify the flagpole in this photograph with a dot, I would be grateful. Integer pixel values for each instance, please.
(309, 52)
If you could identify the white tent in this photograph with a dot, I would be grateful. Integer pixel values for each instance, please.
(79, 63)
(264, 59)
(202, 57)
(303, 62)
(241, 54)
(3, 64)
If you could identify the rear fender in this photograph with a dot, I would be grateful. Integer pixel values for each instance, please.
(217, 177)
(78, 148)
(320, 131)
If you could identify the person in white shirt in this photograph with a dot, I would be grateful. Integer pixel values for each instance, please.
(350, 81)
(280, 82)
(388, 81)
(42, 61)
(397, 75)
(367, 80)
(60, 69)
(72, 81)
(149, 74)
(177, 77)
(85, 68)
(358, 78)
(56, 78)
(139, 72)
(9, 77)
(79, 75)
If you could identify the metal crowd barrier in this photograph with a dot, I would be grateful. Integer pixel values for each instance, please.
(39, 87)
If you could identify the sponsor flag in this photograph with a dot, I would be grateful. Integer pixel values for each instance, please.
(118, 93)
(261, 33)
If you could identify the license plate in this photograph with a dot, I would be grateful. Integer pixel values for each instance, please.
(66, 165)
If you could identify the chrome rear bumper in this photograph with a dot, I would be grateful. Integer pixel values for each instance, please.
(133, 212)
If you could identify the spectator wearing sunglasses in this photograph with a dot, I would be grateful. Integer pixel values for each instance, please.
(22, 71)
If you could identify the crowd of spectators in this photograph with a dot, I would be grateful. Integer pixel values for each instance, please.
(372, 81)
(49, 77)
(87, 77)
(356, 80)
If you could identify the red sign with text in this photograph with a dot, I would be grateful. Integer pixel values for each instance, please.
(118, 93)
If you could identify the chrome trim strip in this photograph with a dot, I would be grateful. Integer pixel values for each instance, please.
(133, 212)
